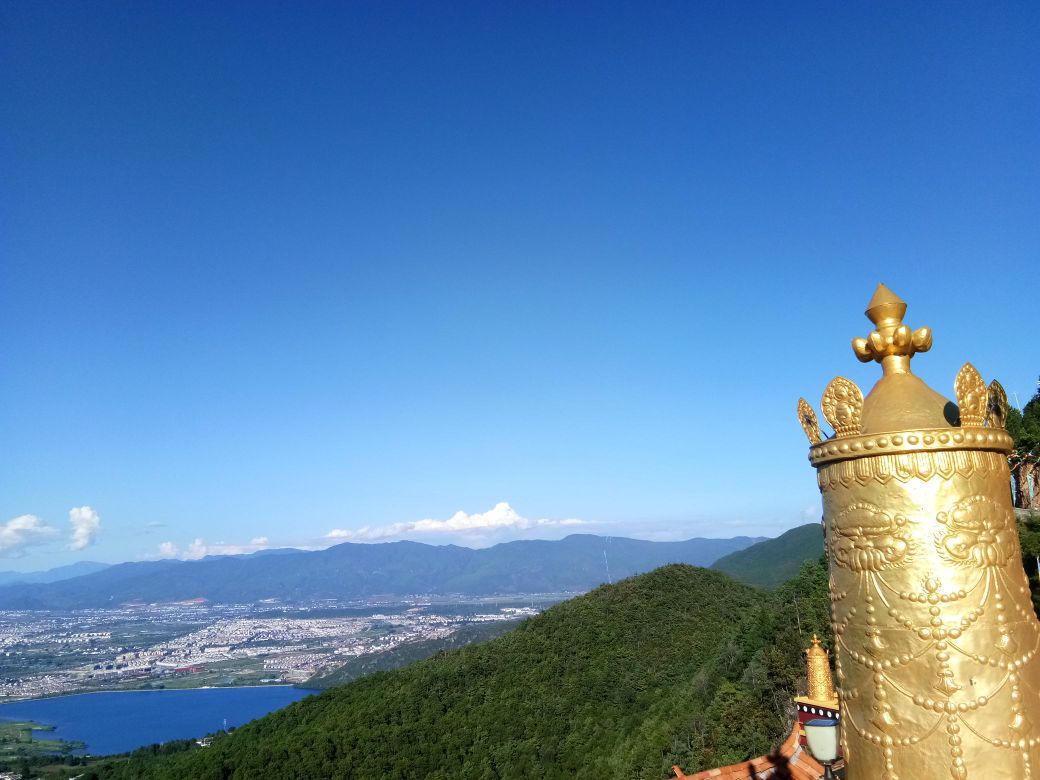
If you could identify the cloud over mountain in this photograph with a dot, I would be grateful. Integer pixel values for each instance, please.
(500, 517)
(23, 531)
(199, 548)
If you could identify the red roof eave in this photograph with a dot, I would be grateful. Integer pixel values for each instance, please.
(797, 762)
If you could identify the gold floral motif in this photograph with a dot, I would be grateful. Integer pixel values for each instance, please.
(864, 538)
(842, 405)
(978, 532)
(807, 417)
(996, 406)
(972, 395)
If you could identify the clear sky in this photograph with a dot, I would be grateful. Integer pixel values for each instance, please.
(271, 271)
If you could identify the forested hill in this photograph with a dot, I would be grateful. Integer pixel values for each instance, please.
(349, 571)
(772, 562)
(682, 665)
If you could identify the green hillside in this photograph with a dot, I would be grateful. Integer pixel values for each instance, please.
(681, 665)
(770, 563)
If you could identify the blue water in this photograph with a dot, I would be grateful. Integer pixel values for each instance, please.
(118, 721)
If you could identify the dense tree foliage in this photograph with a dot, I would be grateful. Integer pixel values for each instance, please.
(1024, 427)
(681, 665)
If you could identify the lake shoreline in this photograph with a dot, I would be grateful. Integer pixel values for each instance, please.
(21, 699)
(99, 719)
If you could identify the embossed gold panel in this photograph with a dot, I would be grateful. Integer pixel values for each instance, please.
(936, 639)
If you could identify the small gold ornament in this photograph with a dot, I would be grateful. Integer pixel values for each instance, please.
(818, 664)
(972, 395)
(807, 417)
(997, 406)
(842, 406)
(891, 338)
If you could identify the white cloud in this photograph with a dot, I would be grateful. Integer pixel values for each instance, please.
(21, 532)
(199, 548)
(498, 518)
(85, 526)
(812, 513)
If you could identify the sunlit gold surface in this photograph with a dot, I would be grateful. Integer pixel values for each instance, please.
(818, 667)
(936, 640)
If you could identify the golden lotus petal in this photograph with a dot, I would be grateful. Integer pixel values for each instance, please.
(842, 406)
(996, 406)
(807, 417)
(972, 395)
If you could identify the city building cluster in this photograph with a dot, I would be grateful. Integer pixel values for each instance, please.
(47, 654)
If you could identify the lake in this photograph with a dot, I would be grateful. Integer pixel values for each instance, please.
(118, 721)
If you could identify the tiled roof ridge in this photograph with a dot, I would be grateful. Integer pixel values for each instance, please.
(789, 762)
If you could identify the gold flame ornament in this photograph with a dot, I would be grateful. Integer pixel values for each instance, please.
(936, 640)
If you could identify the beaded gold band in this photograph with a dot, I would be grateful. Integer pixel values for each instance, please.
(931, 440)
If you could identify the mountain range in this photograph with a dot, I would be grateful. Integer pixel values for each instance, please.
(348, 571)
(766, 564)
(56, 574)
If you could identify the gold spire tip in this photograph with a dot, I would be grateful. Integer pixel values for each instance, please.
(885, 307)
(891, 343)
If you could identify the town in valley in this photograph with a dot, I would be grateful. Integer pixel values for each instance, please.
(194, 644)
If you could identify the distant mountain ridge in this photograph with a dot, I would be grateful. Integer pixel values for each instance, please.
(770, 563)
(349, 571)
(77, 569)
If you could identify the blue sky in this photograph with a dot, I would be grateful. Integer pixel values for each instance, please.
(272, 271)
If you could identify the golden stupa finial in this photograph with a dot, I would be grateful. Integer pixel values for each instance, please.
(891, 343)
(821, 685)
(899, 401)
(885, 307)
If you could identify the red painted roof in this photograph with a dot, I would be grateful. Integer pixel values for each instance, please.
(790, 762)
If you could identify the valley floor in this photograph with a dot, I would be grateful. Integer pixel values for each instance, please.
(197, 645)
